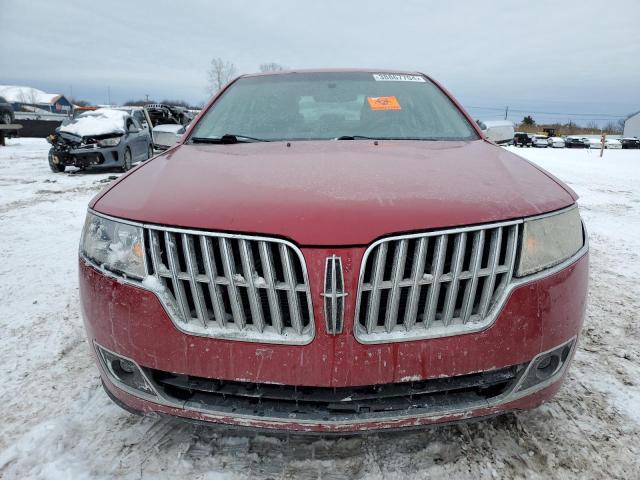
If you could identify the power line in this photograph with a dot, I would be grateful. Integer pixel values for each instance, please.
(604, 115)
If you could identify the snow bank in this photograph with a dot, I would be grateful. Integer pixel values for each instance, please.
(98, 122)
(15, 93)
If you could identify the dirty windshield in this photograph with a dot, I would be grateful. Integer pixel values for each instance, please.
(325, 106)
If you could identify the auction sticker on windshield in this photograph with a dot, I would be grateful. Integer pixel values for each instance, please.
(396, 77)
(384, 103)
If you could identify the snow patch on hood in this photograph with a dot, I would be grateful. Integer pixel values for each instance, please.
(98, 122)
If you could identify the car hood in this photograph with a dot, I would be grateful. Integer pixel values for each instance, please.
(333, 192)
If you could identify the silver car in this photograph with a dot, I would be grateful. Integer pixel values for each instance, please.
(100, 138)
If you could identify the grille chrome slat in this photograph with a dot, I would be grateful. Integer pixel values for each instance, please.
(272, 297)
(196, 291)
(235, 287)
(212, 274)
(294, 307)
(470, 291)
(487, 290)
(248, 273)
(228, 264)
(417, 270)
(456, 267)
(456, 283)
(396, 275)
(374, 302)
(434, 289)
(178, 287)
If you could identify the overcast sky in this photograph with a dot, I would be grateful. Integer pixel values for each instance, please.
(541, 56)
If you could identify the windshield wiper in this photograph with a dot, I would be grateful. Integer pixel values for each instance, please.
(227, 138)
(356, 137)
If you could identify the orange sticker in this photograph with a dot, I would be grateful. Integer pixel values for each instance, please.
(384, 103)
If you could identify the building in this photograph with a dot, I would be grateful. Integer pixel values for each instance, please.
(28, 99)
(632, 125)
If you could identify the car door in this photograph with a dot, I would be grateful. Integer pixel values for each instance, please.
(137, 139)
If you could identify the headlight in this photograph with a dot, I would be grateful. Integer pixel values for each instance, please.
(549, 240)
(109, 142)
(113, 245)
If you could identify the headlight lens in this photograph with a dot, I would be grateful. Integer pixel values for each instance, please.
(113, 245)
(109, 142)
(549, 240)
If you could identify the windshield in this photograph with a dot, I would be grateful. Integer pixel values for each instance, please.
(321, 106)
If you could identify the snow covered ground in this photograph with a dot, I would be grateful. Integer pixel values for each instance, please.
(57, 423)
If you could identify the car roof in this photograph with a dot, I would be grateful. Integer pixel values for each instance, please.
(335, 70)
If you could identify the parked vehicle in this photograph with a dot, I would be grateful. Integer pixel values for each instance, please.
(555, 142)
(521, 139)
(498, 131)
(104, 138)
(573, 141)
(360, 260)
(612, 143)
(165, 136)
(140, 114)
(6, 112)
(594, 142)
(630, 143)
(539, 141)
(162, 114)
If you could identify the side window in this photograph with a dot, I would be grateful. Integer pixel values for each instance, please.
(136, 123)
(138, 116)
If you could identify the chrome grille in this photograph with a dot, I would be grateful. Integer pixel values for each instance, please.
(231, 286)
(334, 295)
(434, 284)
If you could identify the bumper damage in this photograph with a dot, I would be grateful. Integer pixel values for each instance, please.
(334, 384)
(331, 410)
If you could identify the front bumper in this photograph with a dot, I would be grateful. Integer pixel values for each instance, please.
(87, 157)
(537, 317)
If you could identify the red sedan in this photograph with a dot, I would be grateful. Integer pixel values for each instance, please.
(333, 251)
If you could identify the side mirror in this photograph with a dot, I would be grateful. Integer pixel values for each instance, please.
(133, 129)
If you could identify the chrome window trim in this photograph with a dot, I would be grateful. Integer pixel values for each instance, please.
(423, 334)
(243, 336)
(372, 419)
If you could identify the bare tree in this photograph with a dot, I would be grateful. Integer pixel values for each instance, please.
(80, 103)
(220, 72)
(613, 127)
(593, 125)
(271, 67)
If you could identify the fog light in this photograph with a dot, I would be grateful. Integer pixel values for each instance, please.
(123, 372)
(546, 367)
(127, 366)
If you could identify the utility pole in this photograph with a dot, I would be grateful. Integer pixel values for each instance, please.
(147, 95)
(602, 141)
(506, 112)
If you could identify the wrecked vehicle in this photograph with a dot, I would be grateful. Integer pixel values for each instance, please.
(161, 114)
(165, 136)
(342, 251)
(169, 123)
(99, 138)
